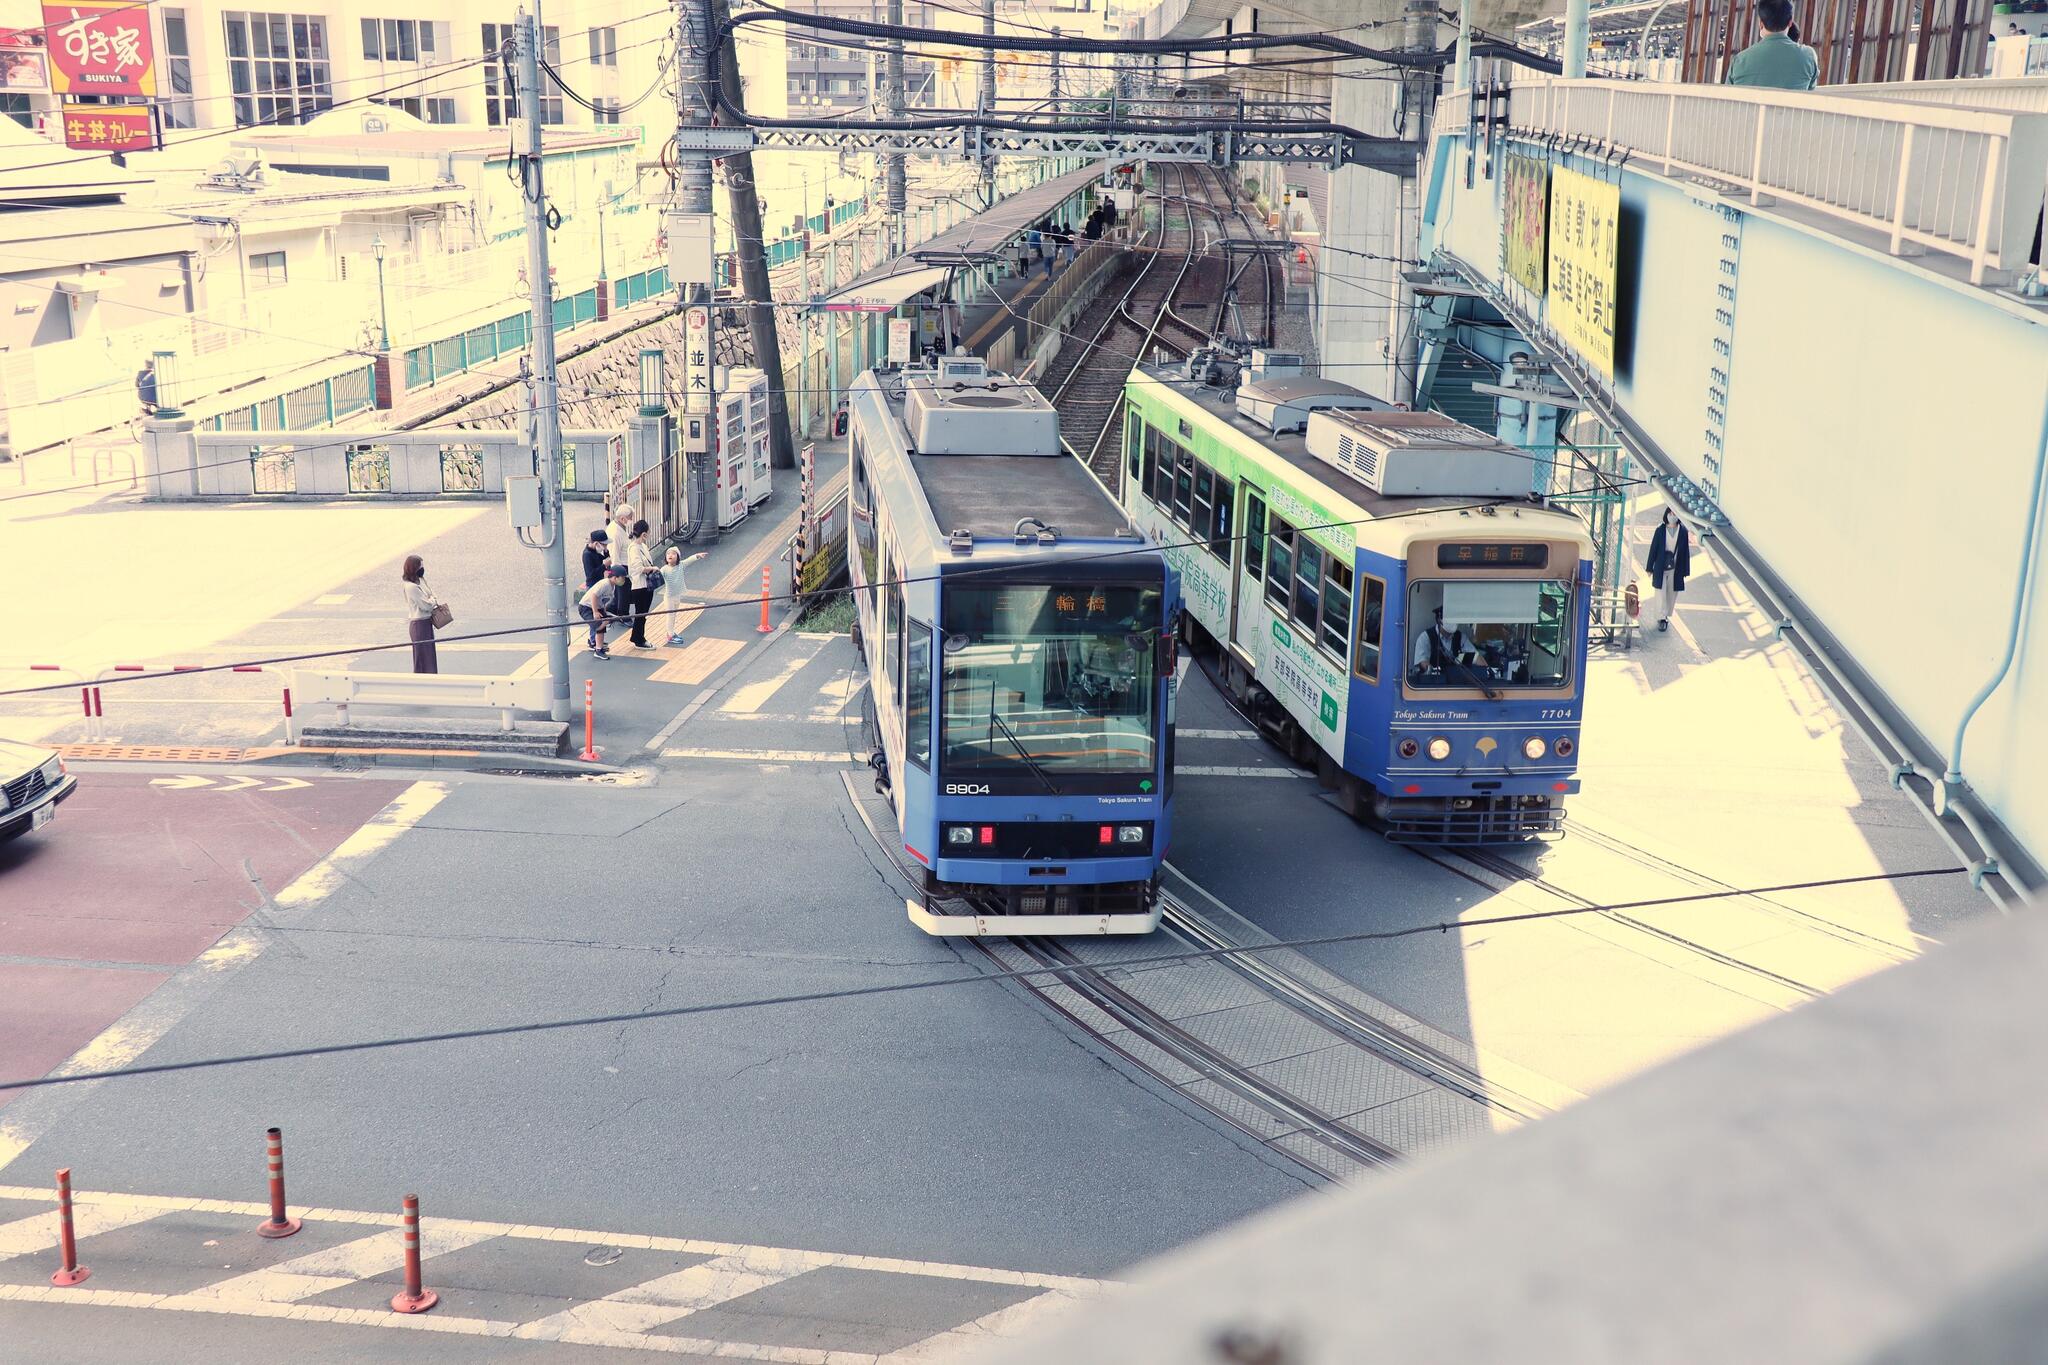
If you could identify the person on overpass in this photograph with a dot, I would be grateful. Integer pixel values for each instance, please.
(1777, 60)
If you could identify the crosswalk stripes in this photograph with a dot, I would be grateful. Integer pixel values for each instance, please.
(641, 1315)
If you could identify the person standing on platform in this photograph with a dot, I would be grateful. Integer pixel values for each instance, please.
(593, 557)
(1670, 562)
(423, 611)
(1778, 60)
(639, 564)
(672, 589)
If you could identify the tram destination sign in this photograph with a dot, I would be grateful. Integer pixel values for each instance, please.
(1495, 555)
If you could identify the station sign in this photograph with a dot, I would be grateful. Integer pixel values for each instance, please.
(1585, 217)
(100, 49)
(697, 358)
(899, 341)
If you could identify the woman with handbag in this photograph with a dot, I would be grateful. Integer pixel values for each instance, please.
(424, 614)
(644, 578)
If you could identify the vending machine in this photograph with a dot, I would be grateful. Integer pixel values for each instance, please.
(752, 385)
(734, 460)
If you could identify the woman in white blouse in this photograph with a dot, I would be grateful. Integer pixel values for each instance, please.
(420, 603)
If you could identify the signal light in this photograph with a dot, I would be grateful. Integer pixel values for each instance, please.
(988, 835)
(1564, 747)
(1105, 834)
(1560, 786)
(1412, 789)
(1408, 748)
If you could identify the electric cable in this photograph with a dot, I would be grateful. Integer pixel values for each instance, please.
(940, 983)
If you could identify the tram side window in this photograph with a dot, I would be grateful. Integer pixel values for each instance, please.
(1336, 626)
(1279, 562)
(1308, 573)
(1183, 485)
(1158, 470)
(1219, 534)
(1254, 533)
(864, 517)
(1205, 501)
(917, 686)
(892, 633)
(1134, 432)
(1372, 601)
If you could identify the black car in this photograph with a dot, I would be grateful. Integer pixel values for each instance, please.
(33, 783)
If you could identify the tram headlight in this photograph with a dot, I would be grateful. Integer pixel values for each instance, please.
(958, 836)
(1533, 748)
(1407, 748)
(1565, 745)
(1439, 748)
(1130, 834)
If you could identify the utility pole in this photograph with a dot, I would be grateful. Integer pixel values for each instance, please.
(753, 256)
(896, 196)
(543, 391)
(693, 196)
(988, 97)
(1418, 33)
(1056, 66)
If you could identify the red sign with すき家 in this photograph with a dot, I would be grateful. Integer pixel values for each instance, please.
(100, 49)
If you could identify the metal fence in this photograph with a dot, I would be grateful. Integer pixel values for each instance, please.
(320, 403)
(191, 464)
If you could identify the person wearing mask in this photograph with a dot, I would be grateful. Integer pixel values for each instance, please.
(1669, 565)
(1439, 648)
(639, 565)
(423, 611)
(672, 589)
(602, 603)
(1778, 60)
(593, 557)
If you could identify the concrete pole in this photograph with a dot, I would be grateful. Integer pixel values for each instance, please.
(545, 394)
(1419, 19)
(1575, 39)
(752, 250)
(988, 95)
(693, 195)
(1464, 71)
(897, 195)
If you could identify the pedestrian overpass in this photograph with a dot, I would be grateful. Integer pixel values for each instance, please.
(1806, 313)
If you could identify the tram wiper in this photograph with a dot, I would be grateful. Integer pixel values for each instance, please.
(1478, 681)
(999, 723)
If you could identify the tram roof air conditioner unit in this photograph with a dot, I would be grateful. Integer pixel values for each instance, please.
(1283, 405)
(1419, 454)
(1271, 364)
(961, 408)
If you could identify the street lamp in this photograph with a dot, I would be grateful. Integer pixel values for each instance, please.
(383, 313)
(165, 364)
(653, 384)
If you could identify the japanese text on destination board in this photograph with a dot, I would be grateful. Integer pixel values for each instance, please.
(100, 49)
(1585, 215)
(1527, 219)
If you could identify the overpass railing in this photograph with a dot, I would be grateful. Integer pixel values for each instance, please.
(1960, 181)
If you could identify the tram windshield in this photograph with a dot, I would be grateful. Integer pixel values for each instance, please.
(1489, 633)
(1051, 677)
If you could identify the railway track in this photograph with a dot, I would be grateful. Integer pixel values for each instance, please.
(1086, 382)
(1219, 281)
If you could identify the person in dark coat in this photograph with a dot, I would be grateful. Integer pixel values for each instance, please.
(594, 557)
(1670, 564)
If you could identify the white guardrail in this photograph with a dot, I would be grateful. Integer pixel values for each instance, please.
(1966, 182)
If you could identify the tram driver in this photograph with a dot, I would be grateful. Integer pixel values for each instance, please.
(1440, 648)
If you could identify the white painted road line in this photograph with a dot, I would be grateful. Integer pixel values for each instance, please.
(31, 1115)
(1184, 733)
(645, 1307)
(1200, 770)
(762, 755)
(38, 1231)
(756, 694)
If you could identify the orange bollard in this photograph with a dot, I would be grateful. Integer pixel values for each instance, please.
(278, 1225)
(413, 1298)
(765, 628)
(71, 1272)
(589, 754)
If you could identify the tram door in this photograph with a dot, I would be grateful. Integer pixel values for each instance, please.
(1249, 555)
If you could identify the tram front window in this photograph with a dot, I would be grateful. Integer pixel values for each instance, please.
(1050, 677)
(1489, 633)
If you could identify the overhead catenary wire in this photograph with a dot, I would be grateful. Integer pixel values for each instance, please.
(1054, 972)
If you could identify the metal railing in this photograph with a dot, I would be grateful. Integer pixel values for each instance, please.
(1963, 182)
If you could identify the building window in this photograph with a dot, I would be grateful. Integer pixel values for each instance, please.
(607, 112)
(178, 111)
(428, 109)
(604, 47)
(501, 97)
(17, 108)
(266, 270)
(278, 67)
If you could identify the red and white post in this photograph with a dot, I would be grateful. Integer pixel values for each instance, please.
(767, 579)
(589, 754)
(71, 1272)
(414, 1298)
(278, 1224)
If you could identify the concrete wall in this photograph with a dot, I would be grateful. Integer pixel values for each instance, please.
(1354, 298)
(180, 464)
(1882, 425)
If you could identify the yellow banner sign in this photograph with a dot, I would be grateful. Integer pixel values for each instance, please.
(1585, 215)
(1527, 220)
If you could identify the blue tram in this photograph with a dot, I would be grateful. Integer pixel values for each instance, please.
(1016, 634)
(1384, 594)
